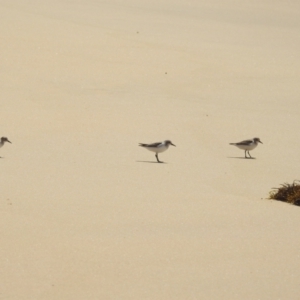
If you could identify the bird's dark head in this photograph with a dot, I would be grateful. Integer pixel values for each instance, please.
(5, 139)
(257, 140)
(168, 142)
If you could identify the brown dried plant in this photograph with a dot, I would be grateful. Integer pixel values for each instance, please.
(289, 193)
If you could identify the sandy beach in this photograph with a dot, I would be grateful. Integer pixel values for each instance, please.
(87, 214)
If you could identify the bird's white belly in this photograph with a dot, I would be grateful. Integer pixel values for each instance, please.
(157, 149)
(247, 147)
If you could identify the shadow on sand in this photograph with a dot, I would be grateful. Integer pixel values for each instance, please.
(241, 157)
(150, 162)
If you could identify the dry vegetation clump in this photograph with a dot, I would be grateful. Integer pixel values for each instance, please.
(289, 193)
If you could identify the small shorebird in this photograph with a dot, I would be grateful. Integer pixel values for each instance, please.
(158, 147)
(248, 145)
(3, 140)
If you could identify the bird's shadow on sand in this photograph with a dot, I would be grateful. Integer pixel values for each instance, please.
(150, 162)
(241, 157)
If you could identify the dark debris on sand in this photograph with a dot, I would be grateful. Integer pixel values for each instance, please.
(289, 193)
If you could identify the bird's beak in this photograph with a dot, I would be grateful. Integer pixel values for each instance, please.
(9, 141)
(260, 142)
(173, 145)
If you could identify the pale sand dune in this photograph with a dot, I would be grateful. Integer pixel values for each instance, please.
(84, 215)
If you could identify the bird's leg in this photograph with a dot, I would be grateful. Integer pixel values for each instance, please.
(156, 155)
(246, 154)
(249, 154)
